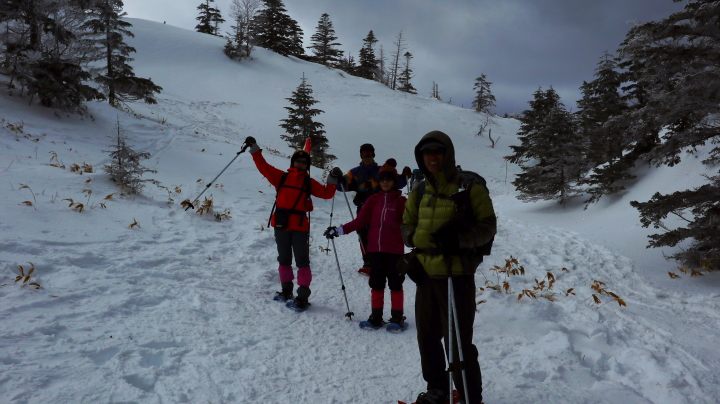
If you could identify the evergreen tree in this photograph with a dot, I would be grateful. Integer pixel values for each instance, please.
(209, 19)
(672, 79)
(676, 65)
(368, 63)
(348, 65)
(550, 153)
(700, 209)
(300, 125)
(276, 31)
(638, 134)
(42, 52)
(323, 43)
(125, 168)
(406, 75)
(484, 98)
(104, 19)
(602, 100)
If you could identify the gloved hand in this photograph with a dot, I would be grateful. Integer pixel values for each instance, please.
(446, 239)
(251, 144)
(332, 232)
(410, 264)
(406, 172)
(335, 175)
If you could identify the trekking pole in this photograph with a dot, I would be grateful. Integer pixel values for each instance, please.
(192, 205)
(362, 247)
(332, 208)
(452, 316)
(349, 313)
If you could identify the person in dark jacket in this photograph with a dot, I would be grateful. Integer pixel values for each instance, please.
(446, 249)
(290, 220)
(382, 214)
(363, 180)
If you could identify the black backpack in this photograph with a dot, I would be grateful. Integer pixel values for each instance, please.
(463, 209)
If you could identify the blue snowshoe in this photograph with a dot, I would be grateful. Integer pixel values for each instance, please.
(283, 296)
(298, 304)
(397, 324)
(374, 322)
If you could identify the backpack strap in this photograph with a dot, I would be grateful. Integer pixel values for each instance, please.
(307, 188)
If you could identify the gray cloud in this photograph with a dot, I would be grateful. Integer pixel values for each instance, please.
(519, 44)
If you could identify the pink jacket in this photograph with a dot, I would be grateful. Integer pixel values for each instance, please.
(384, 212)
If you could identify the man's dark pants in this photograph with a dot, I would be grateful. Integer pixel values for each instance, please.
(431, 316)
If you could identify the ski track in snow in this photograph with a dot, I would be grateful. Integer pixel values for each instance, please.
(180, 310)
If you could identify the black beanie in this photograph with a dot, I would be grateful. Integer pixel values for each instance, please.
(300, 154)
(367, 147)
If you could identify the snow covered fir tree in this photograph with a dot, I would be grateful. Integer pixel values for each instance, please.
(43, 54)
(50, 50)
(676, 61)
(300, 125)
(602, 100)
(275, 30)
(125, 168)
(550, 153)
(104, 19)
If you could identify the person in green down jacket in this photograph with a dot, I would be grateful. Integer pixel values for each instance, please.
(446, 244)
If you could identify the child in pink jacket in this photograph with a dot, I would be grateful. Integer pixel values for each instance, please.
(383, 211)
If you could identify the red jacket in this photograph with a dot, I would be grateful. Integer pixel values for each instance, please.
(289, 194)
(384, 212)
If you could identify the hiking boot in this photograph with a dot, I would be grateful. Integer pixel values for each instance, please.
(301, 302)
(284, 296)
(396, 317)
(432, 396)
(286, 293)
(375, 319)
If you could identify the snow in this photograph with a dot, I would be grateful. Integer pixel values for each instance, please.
(178, 309)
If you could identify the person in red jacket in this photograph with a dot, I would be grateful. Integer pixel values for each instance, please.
(383, 212)
(290, 219)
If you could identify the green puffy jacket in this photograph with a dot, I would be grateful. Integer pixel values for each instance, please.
(433, 212)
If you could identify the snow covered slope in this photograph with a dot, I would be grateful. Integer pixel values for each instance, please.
(178, 309)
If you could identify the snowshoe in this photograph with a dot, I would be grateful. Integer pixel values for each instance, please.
(456, 399)
(283, 296)
(364, 271)
(366, 325)
(395, 327)
(430, 396)
(298, 304)
(375, 321)
(397, 322)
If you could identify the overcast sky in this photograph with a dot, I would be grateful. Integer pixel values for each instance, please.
(519, 44)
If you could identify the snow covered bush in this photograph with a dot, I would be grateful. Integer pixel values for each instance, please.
(125, 168)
